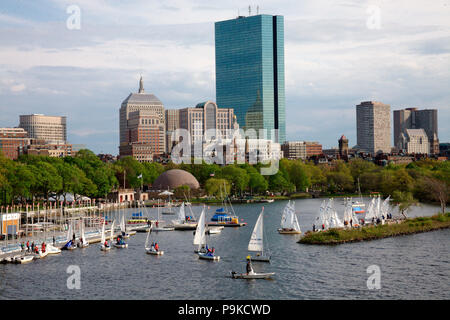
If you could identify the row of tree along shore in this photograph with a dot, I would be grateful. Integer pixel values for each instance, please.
(372, 232)
(36, 178)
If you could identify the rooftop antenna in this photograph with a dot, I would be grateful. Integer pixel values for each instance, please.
(249, 11)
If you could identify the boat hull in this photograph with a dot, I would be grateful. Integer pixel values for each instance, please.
(103, 248)
(53, 250)
(281, 231)
(235, 275)
(121, 246)
(24, 259)
(163, 229)
(155, 253)
(185, 226)
(206, 257)
(40, 255)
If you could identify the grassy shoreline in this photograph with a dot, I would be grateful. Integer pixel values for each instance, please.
(408, 226)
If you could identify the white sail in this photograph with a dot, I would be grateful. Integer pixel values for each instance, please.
(181, 214)
(200, 238)
(148, 236)
(337, 222)
(112, 229)
(103, 233)
(321, 217)
(286, 215)
(370, 211)
(256, 240)
(82, 229)
(385, 206)
(295, 224)
(289, 219)
(378, 211)
(122, 223)
(69, 232)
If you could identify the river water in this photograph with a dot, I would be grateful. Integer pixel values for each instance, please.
(412, 267)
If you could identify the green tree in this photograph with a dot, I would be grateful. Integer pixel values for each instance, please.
(258, 183)
(238, 177)
(215, 187)
(298, 175)
(278, 183)
(404, 200)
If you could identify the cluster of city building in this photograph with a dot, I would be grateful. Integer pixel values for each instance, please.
(250, 95)
(37, 134)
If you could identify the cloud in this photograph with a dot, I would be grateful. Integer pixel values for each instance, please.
(332, 61)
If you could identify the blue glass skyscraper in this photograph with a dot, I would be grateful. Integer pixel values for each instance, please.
(250, 71)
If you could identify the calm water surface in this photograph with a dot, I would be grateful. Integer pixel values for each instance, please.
(412, 267)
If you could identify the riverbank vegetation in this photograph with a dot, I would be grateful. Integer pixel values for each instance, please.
(404, 227)
(38, 177)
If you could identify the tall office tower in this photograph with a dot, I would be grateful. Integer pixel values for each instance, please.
(141, 122)
(411, 118)
(250, 72)
(49, 129)
(373, 127)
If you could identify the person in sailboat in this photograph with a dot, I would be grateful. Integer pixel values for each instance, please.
(249, 266)
(28, 245)
(351, 223)
(43, 246)
(156, 246)
(314, 227)
(106, 244)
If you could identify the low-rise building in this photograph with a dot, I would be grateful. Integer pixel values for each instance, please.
(13, 141)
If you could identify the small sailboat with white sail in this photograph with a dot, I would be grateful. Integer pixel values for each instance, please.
(200, 241)
(83, 243)
(70, 245)
(181, 223)
(289, 222)
(105, 246)
(251, 274)
(157, 226)
(153, 249)
(123, 227)
(256, 243)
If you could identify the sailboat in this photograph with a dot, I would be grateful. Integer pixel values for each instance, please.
(69, 240)
(103, 240)
(120, 243)
(152, 249)
(83, 242)
(256, 242)
(163, 228)
(359, 206)
(331, 216)
(200, 240)
(123, 227)
(370, 213)
(289, 222)
(181, 223)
